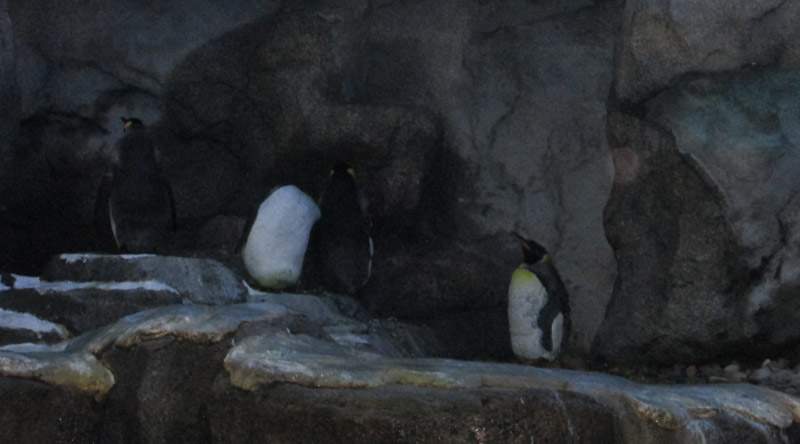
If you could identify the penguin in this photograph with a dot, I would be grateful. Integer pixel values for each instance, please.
(342, 244)
(277, 240)
(538, 306)
(135, 194)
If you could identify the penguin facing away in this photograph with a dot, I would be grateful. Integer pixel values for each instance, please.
(276, 243)
(538, 306)
(139, 199)
(342, 247)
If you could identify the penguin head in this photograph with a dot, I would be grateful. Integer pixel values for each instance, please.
(533, 252)
(342, 168)
(131, 124)
(341, 189)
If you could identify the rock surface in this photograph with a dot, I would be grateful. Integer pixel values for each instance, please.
(196, 280)
(702, 219)
(81, 307)
(16, 327)
(222, 373)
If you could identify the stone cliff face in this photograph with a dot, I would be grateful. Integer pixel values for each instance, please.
(648, 145)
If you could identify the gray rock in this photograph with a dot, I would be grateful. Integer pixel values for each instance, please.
(675, 256)
(9, 94)
(16, 328)
(741, 131)
(203, 373)
(81, 307)
(32, 412)
(196, 280)
(80, 371)
(703, 221)
(342, 320)
(661, 41)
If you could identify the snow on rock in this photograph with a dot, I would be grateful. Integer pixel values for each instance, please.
(198, 280)
(72, 258)
(30, 347)
(13, 320)
(34, 283)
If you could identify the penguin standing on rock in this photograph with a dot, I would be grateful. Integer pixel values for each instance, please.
(538, 306)
(341, 257)
(136, 194)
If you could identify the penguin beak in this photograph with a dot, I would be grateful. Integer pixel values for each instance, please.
(521, 240)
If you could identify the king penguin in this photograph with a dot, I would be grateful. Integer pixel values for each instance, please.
(538, 306)
(137, 195)
(342, 246)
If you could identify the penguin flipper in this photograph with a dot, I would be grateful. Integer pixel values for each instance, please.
(172, 211)
(102, 208)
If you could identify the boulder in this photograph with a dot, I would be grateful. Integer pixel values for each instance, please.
(16, 327)
(195, 280)
(81, 307)
(701, 217)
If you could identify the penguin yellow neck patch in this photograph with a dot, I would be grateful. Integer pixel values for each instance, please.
(523, 276)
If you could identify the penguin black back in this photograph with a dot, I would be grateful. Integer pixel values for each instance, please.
(341, 246)
(140, 202)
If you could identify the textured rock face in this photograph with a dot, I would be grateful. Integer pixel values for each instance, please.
(702, 214)
(300, 368)
(662, 40)
(465, 120)
(227, 373)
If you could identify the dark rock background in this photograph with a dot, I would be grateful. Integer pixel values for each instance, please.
(649, 145)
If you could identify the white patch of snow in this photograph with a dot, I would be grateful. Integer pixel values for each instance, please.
(136, 285)
(25, 321)
(34, 283)
(29, 347)
(26, 281)
(71, 258)
(135, 256)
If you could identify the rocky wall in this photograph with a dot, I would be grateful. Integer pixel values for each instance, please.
(648, 144)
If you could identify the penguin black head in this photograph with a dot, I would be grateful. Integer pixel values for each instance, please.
(534, 253)
(342, 168)
(131, 124)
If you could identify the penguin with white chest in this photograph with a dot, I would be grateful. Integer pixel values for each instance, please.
(136, 194)
(538, 306)
(277, 240)
(342, 247)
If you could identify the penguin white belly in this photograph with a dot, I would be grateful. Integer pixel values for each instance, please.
(526, 298)
(276, 245)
